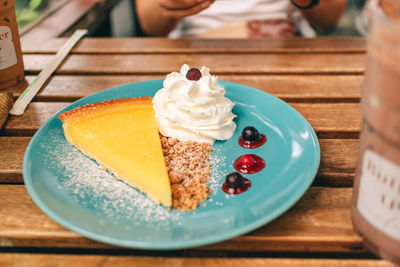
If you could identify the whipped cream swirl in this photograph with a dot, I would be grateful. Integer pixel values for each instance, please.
(194, 110)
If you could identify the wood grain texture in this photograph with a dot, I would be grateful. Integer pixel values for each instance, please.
(338, 160)
(11, 158)
(218, 63)
(327, 119)
(320, 221)
(20, 259)
(34, 116)
(310, 88)
(162, 45)
(330, 119)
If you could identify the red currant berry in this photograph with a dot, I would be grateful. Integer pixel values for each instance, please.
(247, 160)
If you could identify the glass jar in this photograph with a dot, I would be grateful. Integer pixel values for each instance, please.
(376, 195)
(11, 64)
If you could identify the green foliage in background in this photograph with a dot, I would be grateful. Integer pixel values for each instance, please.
(27, 11)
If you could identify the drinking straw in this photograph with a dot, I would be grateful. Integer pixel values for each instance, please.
(27, 96)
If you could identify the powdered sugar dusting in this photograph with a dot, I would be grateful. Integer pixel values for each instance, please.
(218, 164)
(99, 190)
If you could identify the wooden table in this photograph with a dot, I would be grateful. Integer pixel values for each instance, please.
(320, 78)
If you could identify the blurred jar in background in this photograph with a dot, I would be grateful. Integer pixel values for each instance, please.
(11, 64)
(376, 195)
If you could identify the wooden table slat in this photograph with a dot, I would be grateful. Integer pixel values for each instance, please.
(21, 259)
(288, 87)
(162, 45)
(11, 158)
(338, 158)
(327, 119)
(218, 63)
(320, 221)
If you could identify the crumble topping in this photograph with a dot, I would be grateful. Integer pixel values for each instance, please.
(188, 165)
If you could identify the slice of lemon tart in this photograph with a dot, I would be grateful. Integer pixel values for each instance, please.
(122, 136)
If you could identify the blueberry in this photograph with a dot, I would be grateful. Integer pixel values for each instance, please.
(250, 134)
(234, 180)
(193, 74)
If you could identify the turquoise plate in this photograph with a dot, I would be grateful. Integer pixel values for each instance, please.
(74, 192)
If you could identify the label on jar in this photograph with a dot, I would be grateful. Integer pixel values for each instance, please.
(379, 194)
(8, 57)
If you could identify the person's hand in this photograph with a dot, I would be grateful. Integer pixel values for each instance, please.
(182, 8)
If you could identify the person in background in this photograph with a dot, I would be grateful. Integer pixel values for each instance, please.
(188, 18)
